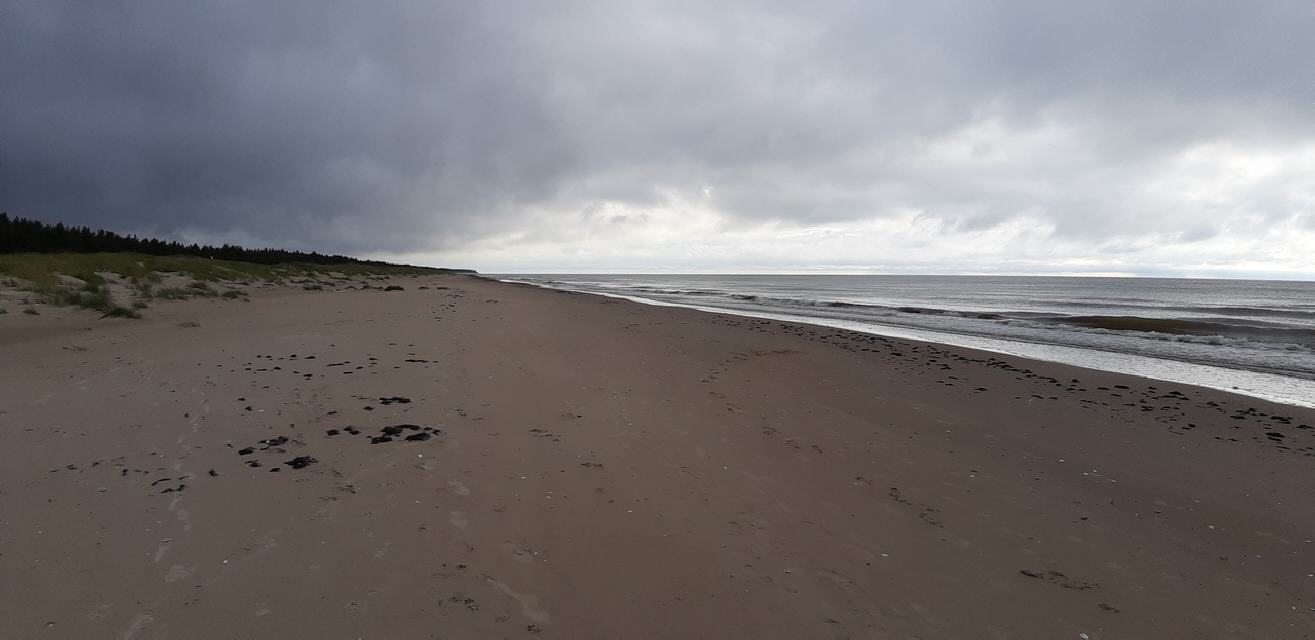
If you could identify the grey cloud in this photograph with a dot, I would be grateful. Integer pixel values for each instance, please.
(406, 126)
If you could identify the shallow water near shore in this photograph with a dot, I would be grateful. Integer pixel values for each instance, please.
(1246, 336)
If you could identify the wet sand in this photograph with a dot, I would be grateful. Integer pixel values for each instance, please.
(475, 459)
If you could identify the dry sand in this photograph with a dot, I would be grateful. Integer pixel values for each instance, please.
(604, 469)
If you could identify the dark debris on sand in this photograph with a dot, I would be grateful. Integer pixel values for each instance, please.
(301, 462)
(389, 433)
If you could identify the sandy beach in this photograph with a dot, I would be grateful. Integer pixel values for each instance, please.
(472, 459)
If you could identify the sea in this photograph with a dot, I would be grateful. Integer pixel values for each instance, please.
(1254, 337)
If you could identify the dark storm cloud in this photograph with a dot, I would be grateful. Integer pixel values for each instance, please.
(328, 123)
(369, 127)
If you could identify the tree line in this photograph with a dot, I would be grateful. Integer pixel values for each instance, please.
(20, 235)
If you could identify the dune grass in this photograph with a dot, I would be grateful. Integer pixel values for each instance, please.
(41, 268)
(47, 275)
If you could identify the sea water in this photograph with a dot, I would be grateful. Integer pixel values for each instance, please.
(1249, 336)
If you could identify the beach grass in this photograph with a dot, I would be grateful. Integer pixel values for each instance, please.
(80, 279)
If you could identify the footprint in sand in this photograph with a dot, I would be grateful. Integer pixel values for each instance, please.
(458, 519)
(529, 602)
(161, 549)
(178, 572)
(457, 487)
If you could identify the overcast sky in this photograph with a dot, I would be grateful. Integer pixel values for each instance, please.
(1157, 138)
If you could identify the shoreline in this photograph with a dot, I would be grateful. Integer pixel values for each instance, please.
(1262, 385)
(592, 467)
